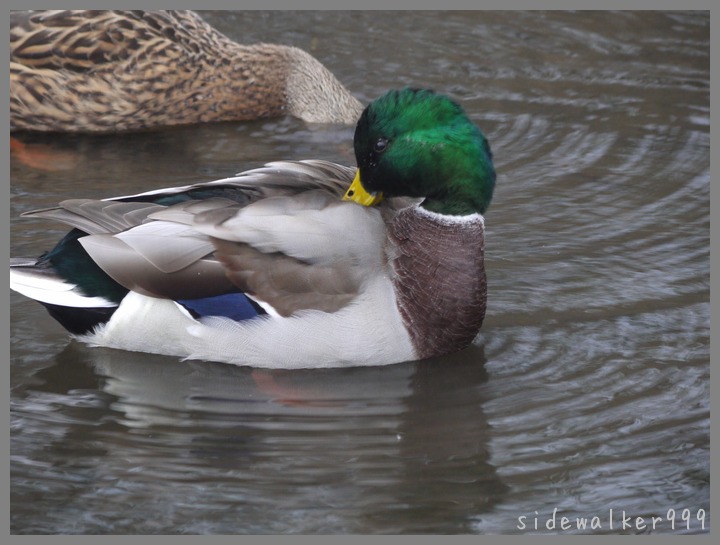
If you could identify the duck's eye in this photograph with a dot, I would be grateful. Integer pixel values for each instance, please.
(381, 144)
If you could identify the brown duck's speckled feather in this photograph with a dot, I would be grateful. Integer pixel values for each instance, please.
(106, 71)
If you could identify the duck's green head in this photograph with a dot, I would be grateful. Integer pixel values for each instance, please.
(416, 143)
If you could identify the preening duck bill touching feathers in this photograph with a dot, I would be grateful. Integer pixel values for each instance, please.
(280, 266)
(111, 70)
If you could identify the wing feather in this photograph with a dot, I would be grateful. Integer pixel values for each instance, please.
(281, 233)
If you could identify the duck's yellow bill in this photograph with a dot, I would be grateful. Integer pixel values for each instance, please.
(356, 192)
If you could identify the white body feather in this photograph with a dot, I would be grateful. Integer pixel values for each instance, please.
(310, 339)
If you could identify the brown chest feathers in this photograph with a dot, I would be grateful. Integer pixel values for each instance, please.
(440, 279)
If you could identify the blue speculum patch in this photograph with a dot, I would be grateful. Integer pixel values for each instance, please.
(236, 306)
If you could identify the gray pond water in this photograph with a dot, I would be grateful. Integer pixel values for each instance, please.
(587, 390)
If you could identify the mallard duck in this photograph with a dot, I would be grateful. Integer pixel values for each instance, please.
(107, 71)
(293, 264)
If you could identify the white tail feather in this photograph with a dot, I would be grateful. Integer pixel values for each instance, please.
(46, 287)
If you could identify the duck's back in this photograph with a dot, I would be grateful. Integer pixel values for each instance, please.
(109, 71)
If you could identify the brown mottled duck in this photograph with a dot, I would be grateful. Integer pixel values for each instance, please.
(108, 71)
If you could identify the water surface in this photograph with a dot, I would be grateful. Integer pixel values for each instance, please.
(587, 389)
